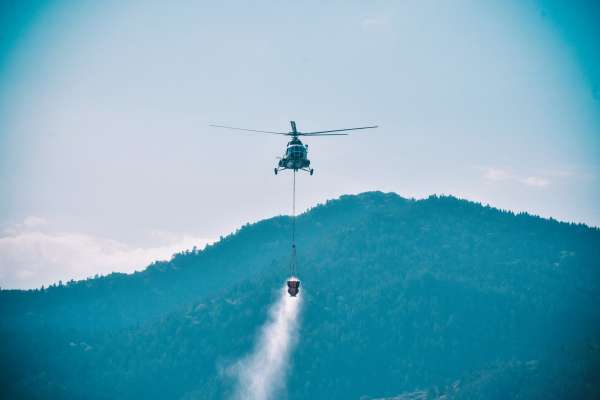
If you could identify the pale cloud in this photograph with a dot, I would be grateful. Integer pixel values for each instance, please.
(496, 174)
(28, 223)
(31, 258)
(33, 221)
(535, 181)
(373, 22)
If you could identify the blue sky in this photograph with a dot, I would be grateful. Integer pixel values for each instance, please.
(105, 152)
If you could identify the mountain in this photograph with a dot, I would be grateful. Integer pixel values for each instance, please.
(406, 299)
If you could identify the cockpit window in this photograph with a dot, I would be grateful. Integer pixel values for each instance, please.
(296, 151)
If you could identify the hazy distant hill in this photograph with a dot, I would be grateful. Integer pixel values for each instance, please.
(404, 299)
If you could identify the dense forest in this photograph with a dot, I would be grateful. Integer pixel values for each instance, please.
(438, 298)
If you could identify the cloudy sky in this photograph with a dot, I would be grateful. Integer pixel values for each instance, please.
(107, 161)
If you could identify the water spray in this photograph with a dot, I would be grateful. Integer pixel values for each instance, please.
(261, 375)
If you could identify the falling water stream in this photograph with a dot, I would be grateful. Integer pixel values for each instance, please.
(262, 374)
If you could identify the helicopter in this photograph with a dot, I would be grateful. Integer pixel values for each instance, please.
(295, 157)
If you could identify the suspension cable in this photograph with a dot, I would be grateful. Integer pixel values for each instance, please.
(293, 263)
(294, 210)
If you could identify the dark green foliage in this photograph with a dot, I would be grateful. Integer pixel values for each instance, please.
(402, 299)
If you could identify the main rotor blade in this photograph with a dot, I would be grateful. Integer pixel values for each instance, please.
(249, 130)
(340, 130)
(322, 134)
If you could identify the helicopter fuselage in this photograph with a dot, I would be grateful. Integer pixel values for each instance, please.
(295, 157)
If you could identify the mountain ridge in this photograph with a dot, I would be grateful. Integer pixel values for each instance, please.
(369, 195)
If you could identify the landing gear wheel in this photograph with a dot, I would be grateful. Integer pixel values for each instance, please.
(275, 171)
(311, 171)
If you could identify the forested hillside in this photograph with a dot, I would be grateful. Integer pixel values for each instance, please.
(403, 299)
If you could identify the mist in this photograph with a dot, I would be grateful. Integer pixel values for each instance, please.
(262, 374)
